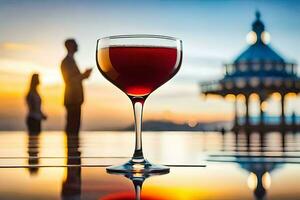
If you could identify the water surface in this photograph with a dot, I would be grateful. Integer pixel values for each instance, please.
(54, 166)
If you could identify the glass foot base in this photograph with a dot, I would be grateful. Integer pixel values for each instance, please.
(138, 167)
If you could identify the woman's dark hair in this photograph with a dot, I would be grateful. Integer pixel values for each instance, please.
(33, 83)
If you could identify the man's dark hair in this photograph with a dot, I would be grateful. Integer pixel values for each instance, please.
(68, 42)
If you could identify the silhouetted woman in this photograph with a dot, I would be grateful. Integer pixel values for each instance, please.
(35, 114)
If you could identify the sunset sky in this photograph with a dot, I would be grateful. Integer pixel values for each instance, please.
(213, 32)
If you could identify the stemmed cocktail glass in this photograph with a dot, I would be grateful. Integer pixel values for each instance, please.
(138, 64)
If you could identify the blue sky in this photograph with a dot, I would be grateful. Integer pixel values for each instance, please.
(210, 29)
(213, 32)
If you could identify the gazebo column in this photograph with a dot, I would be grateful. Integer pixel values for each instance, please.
(226, 69)
(262, 112)
(236, 123)
(293, 69)
(283, 109)
(247, 120)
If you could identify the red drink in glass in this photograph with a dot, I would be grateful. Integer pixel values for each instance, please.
(138, 70)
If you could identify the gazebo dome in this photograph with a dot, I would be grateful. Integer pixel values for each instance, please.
(259, 52)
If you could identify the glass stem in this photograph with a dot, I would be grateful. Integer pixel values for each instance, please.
(138, 192)
(138, 187)
(138, 103)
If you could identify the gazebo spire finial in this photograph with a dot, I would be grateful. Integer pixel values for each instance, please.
(258, 27)
(257, 14)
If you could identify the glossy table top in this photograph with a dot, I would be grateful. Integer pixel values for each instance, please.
(207, 165)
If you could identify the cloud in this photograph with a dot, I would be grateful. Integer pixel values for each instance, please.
(18, 66)
(200, 68)
(16, 46)
(16, 71)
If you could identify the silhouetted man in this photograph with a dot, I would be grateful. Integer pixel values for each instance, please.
(73, 78)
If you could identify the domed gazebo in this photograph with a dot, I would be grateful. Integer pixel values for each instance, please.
(259, 69)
